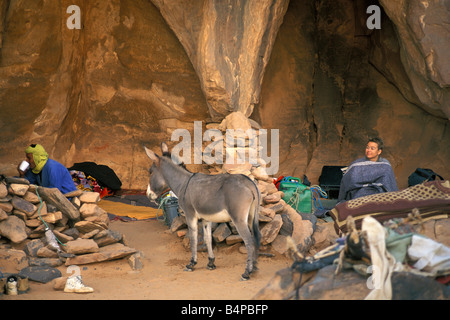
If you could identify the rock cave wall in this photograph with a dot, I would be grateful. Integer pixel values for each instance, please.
(137, 70)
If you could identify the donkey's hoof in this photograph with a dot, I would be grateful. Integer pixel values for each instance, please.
(245, 277)
(190, 267)
(211, 265)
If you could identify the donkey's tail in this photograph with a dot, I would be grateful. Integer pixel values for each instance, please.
(255, 223)
(254, 214)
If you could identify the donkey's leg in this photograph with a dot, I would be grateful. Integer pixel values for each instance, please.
(208, 238)
(244, 232)
(192, 223)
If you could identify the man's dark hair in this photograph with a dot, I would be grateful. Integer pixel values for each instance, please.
(378, 141)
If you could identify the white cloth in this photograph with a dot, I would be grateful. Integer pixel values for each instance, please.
(382, 261)
(430, 256)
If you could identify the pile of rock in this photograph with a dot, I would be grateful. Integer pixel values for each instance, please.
(79, 225)
(277, 219)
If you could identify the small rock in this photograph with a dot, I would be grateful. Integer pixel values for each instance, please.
(179, 222)
(31, 197)
(87, 226)
(89, 197)
(221, 232)
(44, 262)
(18, 189)
(280, 244)
(91, 234)
(59, 283)
(33, 246)
(53, 217)
(6, 206)
(270, 230)
(267, 212)
(90, 209)
(3, 190)
(62, 236)
(23, 205)
(81, 246)
(3, 215)
(136, 261)
(45, 252)
(232, 239)
(107, 237)
(33, 223)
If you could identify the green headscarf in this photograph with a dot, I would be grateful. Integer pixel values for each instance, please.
(40, 157)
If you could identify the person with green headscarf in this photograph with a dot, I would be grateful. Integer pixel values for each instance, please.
(46, 172)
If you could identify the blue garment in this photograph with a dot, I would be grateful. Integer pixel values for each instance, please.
(364, 177)
(53, 175)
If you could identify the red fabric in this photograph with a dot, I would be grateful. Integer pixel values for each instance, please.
(277, 182)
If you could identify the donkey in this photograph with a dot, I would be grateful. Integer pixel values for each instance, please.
(212, 198)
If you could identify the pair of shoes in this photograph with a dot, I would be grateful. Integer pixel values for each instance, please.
(75, 284)
(14, 284)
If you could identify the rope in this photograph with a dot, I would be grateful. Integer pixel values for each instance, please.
(40, 216)
(295, 198)
(164, 198)
(316, 193)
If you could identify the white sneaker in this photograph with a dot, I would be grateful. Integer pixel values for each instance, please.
(75, 284)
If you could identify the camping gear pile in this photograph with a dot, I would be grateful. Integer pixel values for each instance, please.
(42, 229)
(402, 258)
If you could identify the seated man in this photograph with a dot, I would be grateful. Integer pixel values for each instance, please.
(46, 172)
(368, 175)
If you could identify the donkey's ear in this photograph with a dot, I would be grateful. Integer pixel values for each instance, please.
(164, 148)
(153, 156)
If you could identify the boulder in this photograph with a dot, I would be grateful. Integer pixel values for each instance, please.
(12, 260)
(14, 229)
(42, 274)
(111, 252)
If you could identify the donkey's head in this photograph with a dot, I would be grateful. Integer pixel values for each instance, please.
(157, 184)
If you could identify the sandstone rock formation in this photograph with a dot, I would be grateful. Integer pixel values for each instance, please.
(423, 33)
(138, 70)
(229, 44)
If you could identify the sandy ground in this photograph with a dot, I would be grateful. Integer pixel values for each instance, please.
(162, 277)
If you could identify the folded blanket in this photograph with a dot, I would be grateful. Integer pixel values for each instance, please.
(365, 177)
(431, 198)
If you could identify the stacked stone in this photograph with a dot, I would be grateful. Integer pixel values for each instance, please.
(80, 226)
(277, 220)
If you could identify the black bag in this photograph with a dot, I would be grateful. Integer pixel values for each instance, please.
(330, 180)
(422, 175)
(105, 176)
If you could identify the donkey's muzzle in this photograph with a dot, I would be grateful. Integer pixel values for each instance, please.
(150, 194)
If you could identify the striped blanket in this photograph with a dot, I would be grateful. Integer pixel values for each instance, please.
(431, 198)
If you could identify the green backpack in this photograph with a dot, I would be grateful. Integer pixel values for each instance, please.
(296, 194)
